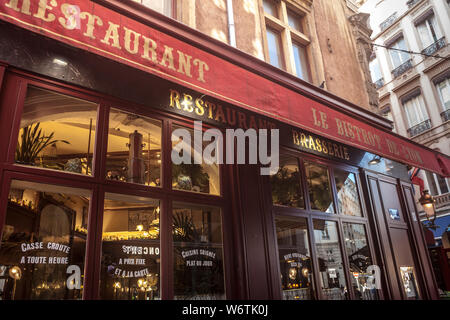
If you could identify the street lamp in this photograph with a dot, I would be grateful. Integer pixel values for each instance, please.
(427, 201)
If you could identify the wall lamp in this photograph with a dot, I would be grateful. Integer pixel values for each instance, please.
(427, 201)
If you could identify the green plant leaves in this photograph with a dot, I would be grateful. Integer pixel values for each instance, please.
(32, 142)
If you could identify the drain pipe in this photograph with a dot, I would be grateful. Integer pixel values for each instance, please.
(231, 30)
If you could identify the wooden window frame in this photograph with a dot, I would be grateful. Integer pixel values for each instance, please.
(339, 218)
(288, 34)
(98, 184)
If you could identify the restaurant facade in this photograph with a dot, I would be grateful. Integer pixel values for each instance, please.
(92, 206)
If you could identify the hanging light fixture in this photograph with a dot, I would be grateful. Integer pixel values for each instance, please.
(375, 160)
(427, 201)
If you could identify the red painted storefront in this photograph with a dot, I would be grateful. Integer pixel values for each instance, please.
(136, 64)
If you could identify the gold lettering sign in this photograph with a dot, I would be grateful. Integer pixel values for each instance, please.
(313, 143)
(116, 36)
(222, 115)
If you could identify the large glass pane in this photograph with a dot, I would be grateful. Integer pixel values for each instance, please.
(134, 149)
(295, 259)
(286, 184)
(301, 62)
(198, 253)
(274, 45)
(331, 270)
(294, 21)
(270, 8)
(130, 248)
(319, 187)
(347, 193)
(204, 178)
(43, 244)
(359, 258)
(57, 132)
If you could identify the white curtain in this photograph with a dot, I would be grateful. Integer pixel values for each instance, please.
(415, 111)
(443, 88)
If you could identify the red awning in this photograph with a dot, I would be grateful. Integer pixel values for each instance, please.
(97, 29)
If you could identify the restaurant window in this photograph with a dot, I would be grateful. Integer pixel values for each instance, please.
(43, 245)
(56, 132)
(398, 54)
(359, 258)
(134, 149)
(170, 8)
(429, 31)
(295, 258)
(347, 193)
(197, 252)
(286, 40)
(331, 270)
(130, 268)
(195, 177)
(286, 184)
(319, 187)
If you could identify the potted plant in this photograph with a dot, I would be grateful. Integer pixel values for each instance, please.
(32, 142)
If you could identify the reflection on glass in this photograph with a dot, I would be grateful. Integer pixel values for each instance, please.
(274, 46)
(295, 258)
(134, 149)
(203, 177)
(130, 248)
(57, 132)
(44, 242)
(409, 283)
(359, 258)
(319, 187)
(347, 193)
(331, 270)
(286, 185)
(198, 253)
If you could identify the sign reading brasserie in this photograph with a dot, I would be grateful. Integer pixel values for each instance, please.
(97, 29)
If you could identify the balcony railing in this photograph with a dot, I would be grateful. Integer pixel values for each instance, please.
(434, 47)
(445, 115)
(401, 69)
(419, 128)
(388, 22)
(442, 200)
(379, 83)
